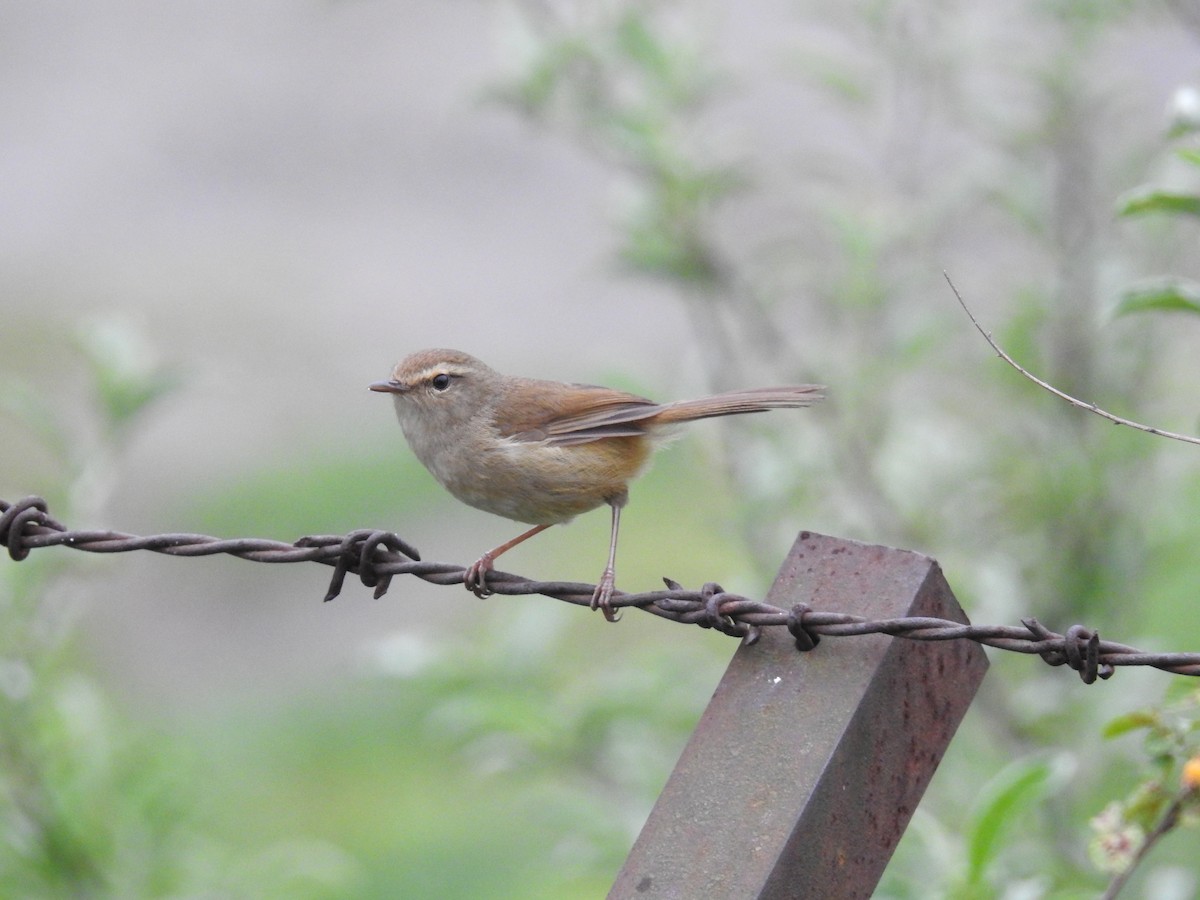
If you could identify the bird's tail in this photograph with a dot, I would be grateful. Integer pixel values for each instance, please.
(734, 403)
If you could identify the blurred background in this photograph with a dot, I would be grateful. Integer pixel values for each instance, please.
(219, 222)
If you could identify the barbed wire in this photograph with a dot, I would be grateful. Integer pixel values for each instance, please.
(376, 556)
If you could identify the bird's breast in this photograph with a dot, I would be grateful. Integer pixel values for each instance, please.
(539, 483)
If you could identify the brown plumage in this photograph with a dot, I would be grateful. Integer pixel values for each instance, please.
(542, 452)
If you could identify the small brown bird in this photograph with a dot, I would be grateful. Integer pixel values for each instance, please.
(542, 452)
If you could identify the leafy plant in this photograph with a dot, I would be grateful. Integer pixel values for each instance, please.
(1166, 798)
(91, 806)
(1168, 293)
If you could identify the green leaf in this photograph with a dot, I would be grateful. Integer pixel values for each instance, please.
(1146, 803)
(1161, 295)
(1188, 154)
(1182, 691)
(1130, 722)
(1006, 797)
(127, 379)
(1157, 201)
(640, 45)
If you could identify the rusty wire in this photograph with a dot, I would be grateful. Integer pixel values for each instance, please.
(377, 556)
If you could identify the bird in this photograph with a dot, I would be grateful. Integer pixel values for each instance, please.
(542, 452)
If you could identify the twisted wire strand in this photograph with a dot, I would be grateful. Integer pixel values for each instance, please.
(375, 557)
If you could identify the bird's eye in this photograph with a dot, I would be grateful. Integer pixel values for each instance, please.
(440, 382)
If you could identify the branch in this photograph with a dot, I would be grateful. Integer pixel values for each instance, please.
(1167, 823)
(1082, 404)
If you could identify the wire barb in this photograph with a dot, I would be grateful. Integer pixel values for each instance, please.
(805, 639)
(358, 552)
(376, 557)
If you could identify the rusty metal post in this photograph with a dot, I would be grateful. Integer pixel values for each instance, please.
(806, 767)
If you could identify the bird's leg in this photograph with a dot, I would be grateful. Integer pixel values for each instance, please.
(602, 598)
(475, 577)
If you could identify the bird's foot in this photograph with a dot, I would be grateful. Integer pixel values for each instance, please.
(602, 597)
(475, 578)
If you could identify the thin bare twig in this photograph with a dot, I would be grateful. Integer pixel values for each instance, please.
(1081, 404)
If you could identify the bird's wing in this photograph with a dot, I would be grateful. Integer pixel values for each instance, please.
(596, 413)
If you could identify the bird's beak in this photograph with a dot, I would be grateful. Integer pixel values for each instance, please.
(389, 387)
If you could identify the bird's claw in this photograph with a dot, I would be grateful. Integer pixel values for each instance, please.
(475, 578)
(602, 597)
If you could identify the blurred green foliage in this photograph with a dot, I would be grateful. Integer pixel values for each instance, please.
(1166, 293)
(627, 90)
(91, 805)
(1165, 798)
(486, 765)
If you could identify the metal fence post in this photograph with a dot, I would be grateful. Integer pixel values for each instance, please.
(806, 767)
